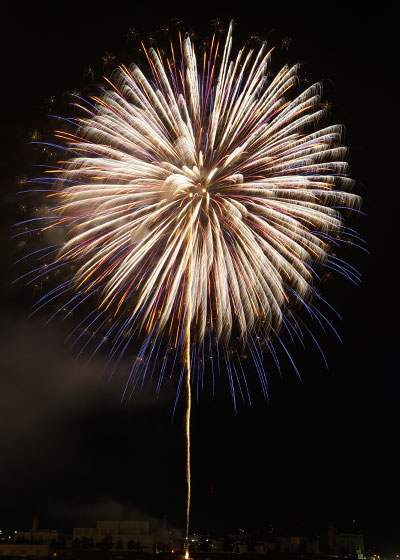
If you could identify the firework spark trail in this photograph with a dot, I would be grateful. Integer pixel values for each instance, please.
(187, 433)
(188, 397)
(198, 207)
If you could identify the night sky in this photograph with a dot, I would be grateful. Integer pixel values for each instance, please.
(323, 450)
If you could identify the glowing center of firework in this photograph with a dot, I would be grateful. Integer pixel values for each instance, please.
(188, 183)
(198, 189)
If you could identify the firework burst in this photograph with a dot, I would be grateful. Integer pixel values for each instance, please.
(199, 201)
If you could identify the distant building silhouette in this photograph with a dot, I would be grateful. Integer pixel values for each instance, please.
(131, 534)
(37, 535)
(337, 542)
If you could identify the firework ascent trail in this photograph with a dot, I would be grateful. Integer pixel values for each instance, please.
(188, 402)
(196, 208)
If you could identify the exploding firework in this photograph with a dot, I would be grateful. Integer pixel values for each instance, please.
(197, 206)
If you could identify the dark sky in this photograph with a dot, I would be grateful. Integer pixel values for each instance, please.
(324, 450)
